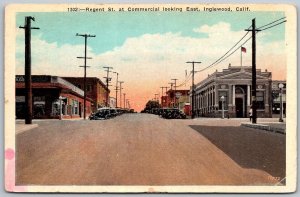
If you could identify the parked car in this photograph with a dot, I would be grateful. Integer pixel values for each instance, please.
(173, 114)
(113, 112)
(101, 114)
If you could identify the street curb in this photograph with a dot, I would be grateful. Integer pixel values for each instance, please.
(22, 128)
(264, 127)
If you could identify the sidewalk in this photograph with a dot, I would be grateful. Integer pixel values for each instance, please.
(278, 127)
(22, 127)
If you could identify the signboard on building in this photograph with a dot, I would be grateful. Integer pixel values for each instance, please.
(36, 79)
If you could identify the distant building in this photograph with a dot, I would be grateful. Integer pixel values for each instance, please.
(165, 101)
(95, 89)
(235, 85)
(176, 99)
(276, 97)
(46, 91)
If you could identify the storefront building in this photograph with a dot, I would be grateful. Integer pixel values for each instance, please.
(234, 85)
(176, 99)
(95, 89)
(50, 95)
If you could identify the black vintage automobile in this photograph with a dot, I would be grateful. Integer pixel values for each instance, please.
(172, 114)
(101, 115)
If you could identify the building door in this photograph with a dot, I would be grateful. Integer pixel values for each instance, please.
(239, 107)
(80, 109)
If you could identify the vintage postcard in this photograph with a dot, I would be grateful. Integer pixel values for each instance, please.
(151, 98)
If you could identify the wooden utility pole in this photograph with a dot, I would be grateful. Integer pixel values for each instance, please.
(162, 93)
(107, 83)
(121, 93)
(117, 88)
(85, 66)
(254, 107)
(28, 87)
(124, 100)
(193, 87)
(171, 91)
(166, 90)
(174, 91)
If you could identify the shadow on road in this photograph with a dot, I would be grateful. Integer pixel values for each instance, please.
(250, 148)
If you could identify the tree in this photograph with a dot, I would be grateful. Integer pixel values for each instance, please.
(151, 104)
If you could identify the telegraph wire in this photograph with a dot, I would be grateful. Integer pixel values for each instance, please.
(222, 57)
(230, 48)
(271, 23)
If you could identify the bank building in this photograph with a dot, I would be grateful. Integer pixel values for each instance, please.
(234, 86)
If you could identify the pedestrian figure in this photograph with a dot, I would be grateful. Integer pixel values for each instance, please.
(250, 113)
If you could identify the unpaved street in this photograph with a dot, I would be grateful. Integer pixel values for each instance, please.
(132, 149)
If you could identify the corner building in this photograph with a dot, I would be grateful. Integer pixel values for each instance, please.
(235, 84)
(46, 91)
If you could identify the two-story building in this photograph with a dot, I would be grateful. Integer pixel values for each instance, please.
(95, 89)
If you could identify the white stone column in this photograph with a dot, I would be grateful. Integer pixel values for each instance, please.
(248, 95)
(207, 99)
(233, 95)
(216, 97)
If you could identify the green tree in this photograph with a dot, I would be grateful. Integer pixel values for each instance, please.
(151, 104)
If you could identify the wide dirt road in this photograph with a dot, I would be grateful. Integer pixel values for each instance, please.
(132, 149)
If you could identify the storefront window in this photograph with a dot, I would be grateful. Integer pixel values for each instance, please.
(38, 106)
(223, 93)
(75, 107)
(55, 108)
(260, 100)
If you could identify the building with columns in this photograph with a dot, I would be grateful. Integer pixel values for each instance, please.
(235, 85)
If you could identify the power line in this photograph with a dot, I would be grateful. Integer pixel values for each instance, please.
(222, 58)
(228, 55)
(186, 80)
(229, 49)
(273, 25)
(248, 40)
(270, 23)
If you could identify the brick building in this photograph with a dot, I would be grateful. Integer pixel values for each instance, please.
(176, 99)
(46, 91)
(95, 89)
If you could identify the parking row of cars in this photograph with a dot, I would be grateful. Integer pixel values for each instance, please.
(168, 113)
(106, 113)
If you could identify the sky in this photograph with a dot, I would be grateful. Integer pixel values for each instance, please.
(148, 49)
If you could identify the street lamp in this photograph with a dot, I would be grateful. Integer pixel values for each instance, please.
(281, 104)
(222, 99)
